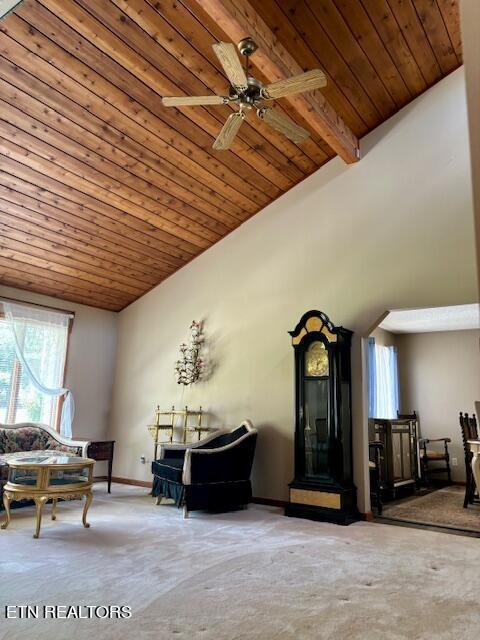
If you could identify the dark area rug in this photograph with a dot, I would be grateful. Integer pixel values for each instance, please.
(442, 508)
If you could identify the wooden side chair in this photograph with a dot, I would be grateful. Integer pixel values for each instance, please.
(428, 454)
(468, 425)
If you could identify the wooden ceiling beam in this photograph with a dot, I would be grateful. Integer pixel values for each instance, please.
(200, 33)
(185, 56)
(173, 131)
(119, 110)
(238, 19)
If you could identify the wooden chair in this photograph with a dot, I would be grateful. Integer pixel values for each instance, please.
(432, 455)
(468, 425)
(427, 455)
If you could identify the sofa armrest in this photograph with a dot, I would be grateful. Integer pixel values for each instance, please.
(67, 442)
(83, 444)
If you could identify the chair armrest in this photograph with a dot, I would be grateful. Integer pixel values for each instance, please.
(427, 440)
(172, 451)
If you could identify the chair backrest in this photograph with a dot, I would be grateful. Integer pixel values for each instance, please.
(468, 425)
(224, 439)
(407, 416)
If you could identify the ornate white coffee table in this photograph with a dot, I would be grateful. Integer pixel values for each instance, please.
(41, 477)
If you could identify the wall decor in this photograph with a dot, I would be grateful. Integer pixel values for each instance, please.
(190, 366)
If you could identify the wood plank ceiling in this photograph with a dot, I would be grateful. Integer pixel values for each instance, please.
(104, 192)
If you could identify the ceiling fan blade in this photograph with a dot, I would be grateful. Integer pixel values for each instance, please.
(226, 52)
(228, 132)
(283, 124)
(192, 101)
(296, 84)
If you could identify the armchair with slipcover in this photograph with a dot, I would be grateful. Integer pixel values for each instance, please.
(213, 474)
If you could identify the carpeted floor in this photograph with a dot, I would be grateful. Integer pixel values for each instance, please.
(443, 507)
(245, 575)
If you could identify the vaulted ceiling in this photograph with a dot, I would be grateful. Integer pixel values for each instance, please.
(104, 192)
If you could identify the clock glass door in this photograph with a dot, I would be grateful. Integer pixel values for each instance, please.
(316, 406)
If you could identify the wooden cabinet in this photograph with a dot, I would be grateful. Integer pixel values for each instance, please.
(399, 459)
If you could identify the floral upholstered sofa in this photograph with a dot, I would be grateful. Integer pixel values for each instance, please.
(23, 439)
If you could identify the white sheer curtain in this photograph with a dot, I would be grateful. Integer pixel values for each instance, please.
(386, 375)
(43, 364)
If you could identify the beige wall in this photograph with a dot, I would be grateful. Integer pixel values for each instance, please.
(91, 361)
(384, 338)
(439, 375)
(393, 231)
(470, 26)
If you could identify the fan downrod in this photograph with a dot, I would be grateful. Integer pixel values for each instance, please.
(247, 46)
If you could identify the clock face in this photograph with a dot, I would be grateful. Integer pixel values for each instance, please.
(316, 360)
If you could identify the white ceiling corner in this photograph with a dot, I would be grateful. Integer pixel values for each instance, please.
(454, 318)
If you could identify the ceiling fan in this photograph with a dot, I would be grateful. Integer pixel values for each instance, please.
(249, 93)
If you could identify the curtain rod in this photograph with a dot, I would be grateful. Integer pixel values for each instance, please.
(35, 304)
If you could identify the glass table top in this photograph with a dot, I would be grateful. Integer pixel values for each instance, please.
(54, 458)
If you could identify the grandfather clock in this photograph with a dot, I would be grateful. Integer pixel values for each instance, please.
(323, 486)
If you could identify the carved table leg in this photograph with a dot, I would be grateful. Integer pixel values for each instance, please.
(88, 502)
(54, 508)
(6, 504)
(39, 502)
(476, 465)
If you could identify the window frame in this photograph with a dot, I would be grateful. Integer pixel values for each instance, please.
(18, 367)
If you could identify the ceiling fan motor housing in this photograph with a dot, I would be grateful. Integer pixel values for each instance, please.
(247, 46)
(252, 94)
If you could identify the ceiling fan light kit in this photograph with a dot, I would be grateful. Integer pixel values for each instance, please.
(249, 93)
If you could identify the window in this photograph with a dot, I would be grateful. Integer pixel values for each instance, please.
(383, 394)
(42, 338)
